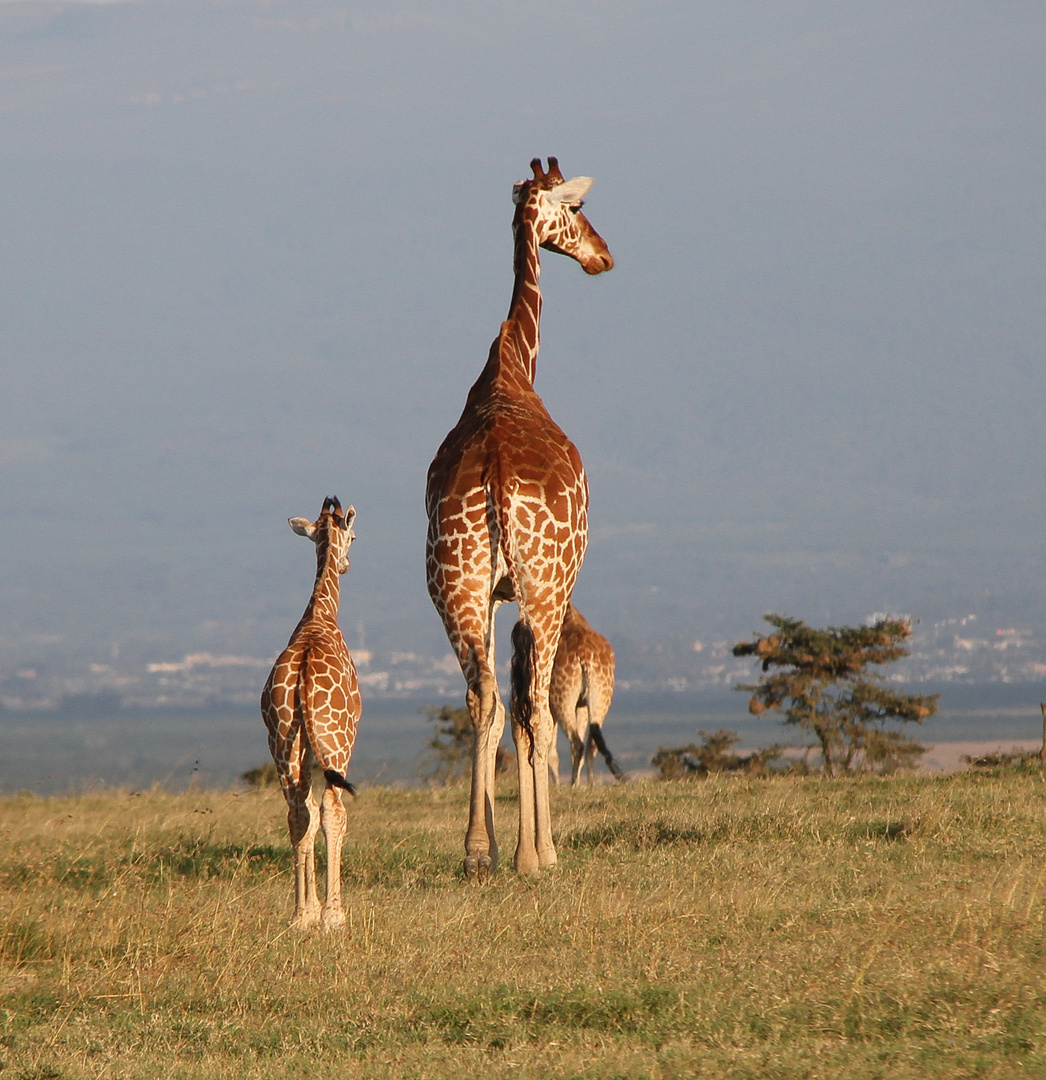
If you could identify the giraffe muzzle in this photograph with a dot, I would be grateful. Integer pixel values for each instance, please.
(598, 264)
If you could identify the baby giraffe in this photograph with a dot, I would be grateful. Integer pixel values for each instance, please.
(311, 706)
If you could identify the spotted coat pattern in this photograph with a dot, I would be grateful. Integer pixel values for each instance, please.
(581, 690)
(311, 706)
(507, 504)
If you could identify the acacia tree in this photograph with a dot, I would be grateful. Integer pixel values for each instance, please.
(824, 687)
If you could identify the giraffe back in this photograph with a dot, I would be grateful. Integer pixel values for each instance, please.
(582, 686)
(507, 488)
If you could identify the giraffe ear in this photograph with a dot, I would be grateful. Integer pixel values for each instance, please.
(302, 526)
(571, 191)
(350, 517)
(517, 191)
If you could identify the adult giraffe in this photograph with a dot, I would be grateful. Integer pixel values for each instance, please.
(580, 693)
(507, 504)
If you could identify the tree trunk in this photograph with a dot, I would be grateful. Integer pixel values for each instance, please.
(826, 752)
(1042, 752)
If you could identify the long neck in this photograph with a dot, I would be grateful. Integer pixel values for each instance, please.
(525, 310)
(323, 605)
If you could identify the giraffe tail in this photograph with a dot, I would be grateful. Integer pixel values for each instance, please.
(335, 779)
(524, 654)
(306, 698)
(595, 734)
(524, 650)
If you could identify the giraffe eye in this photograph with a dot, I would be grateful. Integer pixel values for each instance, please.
(576, 207)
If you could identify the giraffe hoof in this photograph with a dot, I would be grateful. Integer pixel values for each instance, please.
(528, 866)
(479, 869)
(304, 919)
(333, 919)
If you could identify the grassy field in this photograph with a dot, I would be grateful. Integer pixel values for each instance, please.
(727, 928)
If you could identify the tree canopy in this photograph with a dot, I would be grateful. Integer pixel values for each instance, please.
(822, 684)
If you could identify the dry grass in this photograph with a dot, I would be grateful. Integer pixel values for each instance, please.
(729, 928)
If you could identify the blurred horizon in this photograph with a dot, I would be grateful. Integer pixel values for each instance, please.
(48, 753)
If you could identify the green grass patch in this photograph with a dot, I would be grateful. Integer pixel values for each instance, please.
(498, 1015)
(200, 858)
(781, 927)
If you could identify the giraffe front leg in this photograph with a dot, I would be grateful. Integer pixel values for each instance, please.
(544, 730)
(333, 816)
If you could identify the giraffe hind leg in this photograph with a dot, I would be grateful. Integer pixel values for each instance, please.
(522, 710)
(332, 818)
(578, 744)
(532, 730)
(553, 758)
(335, 779)
(577, 755)
(292, 758)
(488, 720)
(303, 822)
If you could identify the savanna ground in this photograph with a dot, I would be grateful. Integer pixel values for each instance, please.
(785, 927)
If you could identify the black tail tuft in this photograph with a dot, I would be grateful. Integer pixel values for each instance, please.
(595, 733)
(523, 655)
(335, 779)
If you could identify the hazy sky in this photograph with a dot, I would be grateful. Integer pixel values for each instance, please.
(254, 253)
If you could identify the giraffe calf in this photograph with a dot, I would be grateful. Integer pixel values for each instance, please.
(311, 706)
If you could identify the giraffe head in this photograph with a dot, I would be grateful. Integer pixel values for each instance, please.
(553, 206)
(331, 532)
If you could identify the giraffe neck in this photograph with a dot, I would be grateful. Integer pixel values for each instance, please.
(323, 605)
(525, 310)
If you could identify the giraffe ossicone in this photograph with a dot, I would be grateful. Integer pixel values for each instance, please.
(311, 706)
(507, 505)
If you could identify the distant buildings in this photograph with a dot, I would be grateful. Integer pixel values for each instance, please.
(953, 650)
